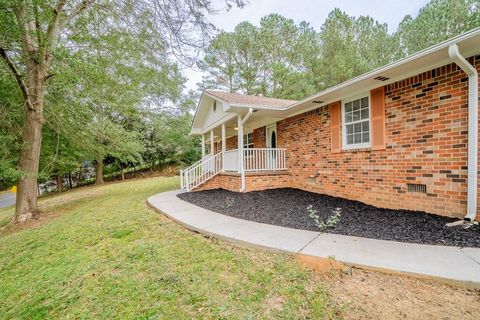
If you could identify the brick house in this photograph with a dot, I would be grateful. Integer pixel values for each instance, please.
(403, 136)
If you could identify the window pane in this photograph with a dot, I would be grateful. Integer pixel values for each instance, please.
(348, 117)
(365, 102)
(357, 138)
(365, 137)
(356, 115)
(348, 107)
(356, 104)
(365, 126)
(349, 128)
(364, 114)
(357, 127)
(349, 138)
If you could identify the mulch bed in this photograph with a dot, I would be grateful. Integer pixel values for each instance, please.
(288, 208)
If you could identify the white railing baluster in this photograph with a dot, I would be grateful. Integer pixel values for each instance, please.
(264, 159)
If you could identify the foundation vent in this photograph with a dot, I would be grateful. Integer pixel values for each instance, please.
(418, 188)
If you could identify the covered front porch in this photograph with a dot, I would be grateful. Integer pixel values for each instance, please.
(234, 166)
(238, 139)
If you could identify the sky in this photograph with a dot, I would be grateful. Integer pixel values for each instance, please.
(312, 11)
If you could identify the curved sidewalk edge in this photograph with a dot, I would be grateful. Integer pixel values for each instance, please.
(453, 264)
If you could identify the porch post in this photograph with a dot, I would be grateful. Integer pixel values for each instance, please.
(224, 140)
(212, 143)
(240, 151)
(203, 146)
(224, 145)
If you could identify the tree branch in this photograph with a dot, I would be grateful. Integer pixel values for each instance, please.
(56, 25)
(18, 76)
(84, 4)
(52, 31)
(27, 45)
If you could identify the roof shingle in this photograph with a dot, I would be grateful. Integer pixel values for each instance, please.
(254, 101)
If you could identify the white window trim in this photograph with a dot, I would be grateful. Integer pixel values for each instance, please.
(344, 125)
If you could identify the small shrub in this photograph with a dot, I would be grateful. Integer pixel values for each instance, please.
(229, 203)
(331, 222)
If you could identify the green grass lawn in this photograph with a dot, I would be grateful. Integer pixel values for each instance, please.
(101, 253)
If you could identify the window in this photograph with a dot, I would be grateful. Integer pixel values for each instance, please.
(356, 123)
(248, 141)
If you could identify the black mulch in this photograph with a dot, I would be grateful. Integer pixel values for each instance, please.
(287, 207)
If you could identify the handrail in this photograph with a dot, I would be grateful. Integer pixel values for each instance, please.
(201, 171)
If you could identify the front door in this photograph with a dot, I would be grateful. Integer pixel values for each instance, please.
(271, 143)
(271, 136)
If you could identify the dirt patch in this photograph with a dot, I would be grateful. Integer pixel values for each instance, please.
(362, 294)
(288, 208)
(321, 265)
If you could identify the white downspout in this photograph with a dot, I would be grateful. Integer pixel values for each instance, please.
(247, 116)
(224, 145)
(241, 122)
(472, 73)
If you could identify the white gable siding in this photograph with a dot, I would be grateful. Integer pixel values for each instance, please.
(210, 117)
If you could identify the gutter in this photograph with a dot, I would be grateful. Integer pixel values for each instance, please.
(472, 168)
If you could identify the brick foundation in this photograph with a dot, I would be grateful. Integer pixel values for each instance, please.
(253, 181)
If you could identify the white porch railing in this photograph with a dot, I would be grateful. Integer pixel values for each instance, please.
(264, 159)
(201, 171)
(254, 159)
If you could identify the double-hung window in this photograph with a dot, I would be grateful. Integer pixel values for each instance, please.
(248, 141)
(356, 123)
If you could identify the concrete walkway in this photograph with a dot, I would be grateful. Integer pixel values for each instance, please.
(447, 263)
(7, 199)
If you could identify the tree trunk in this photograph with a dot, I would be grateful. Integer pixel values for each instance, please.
(99, 172)
(122, 172)
(59, 179)
(26, 203)
(70, 180)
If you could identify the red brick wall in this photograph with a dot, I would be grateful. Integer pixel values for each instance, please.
(426, 143)
(266, 181)
(232, 143)
(224, 181)
(259, 139)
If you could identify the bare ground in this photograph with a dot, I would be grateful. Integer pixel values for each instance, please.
(362, 294)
